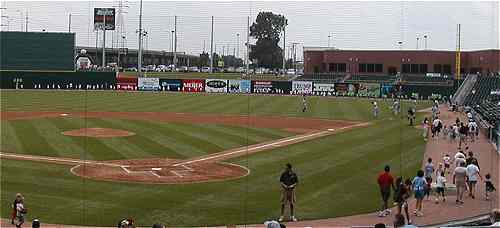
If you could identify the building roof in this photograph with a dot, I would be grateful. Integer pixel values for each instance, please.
(323, 49)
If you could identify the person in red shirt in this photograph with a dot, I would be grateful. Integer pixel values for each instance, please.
(385, 182)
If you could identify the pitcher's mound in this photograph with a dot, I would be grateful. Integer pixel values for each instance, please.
(98, 133)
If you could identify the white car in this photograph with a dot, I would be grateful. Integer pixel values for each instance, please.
(205, 69)
(194, 69)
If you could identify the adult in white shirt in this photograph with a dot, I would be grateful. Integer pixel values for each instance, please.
(473, 175)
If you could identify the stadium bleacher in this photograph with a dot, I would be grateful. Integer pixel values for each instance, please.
(482, 89)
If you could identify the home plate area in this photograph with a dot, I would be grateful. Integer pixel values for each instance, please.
(160, 171)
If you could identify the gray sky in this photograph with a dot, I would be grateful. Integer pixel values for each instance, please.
(354, 25)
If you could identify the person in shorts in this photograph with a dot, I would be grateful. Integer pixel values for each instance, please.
(460, 179)
(440, 187)
(428, 171)
(472, 178)
(447, 163)
(419, 184)
(385, 182)
(289, 181)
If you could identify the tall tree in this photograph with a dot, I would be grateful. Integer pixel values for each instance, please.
(267, 29)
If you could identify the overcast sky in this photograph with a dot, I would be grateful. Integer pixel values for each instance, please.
(352, 25)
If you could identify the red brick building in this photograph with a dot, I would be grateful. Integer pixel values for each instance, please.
(328, 60)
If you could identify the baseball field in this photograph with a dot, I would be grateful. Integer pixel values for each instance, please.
(95, 157)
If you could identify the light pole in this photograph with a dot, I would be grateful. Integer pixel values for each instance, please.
(172, 46)
(418, 38)
(425, 41)
(329, 37)
(139, 53)
(237, 45)
(400, 43)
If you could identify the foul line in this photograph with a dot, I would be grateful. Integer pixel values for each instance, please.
(277, 143)
(53, 159)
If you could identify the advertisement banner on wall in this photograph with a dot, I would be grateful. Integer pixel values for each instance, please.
(193, 85)
(302, 87)
(387, 90)
(352, 89)
(262, 86)
(171, 84)
(369, 90)
(323, 88)
(216, 86)
(125, 83)
(148, 84)
(239, 86)
(282, 87)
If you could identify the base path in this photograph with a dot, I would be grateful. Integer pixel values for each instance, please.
(207, 168)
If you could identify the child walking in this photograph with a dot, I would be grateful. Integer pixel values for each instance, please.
(489, 186)
(440, 186)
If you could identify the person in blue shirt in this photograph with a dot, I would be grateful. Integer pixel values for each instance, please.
(419, 184)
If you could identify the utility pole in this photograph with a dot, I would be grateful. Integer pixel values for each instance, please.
(425, 41)
(139, 53)
(294, 57)
(26, 20)
(418, 38)
(248, 45)
(457, 56)
(69, 23)
(175, 41)
(212, 47)
(104, 38)
(237, 45)
(284, 49)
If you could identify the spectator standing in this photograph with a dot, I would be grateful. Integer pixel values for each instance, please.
(425, 126)
(472, 178)
(440, 187)
(289, 181)
(419, 184)
(428, 171)
(385, 182)
(459, 179)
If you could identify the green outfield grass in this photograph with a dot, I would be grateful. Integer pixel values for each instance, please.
(337, 173)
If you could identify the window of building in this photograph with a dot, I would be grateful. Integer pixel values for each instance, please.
(423, 68)
(414, 68)
(316, 69)
(447, 69)
(332, 67)
(337, 67)
(371, 68)
(405, 68)
(438, 68)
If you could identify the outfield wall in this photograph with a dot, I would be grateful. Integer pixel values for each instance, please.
(110, 80)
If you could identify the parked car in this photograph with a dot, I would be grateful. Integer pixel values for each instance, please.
(205, 69)
(131, 69)
(290, 72)
(194, 69)
(183, 69)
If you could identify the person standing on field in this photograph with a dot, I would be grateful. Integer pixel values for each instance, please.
(385, 182)
(289, 181)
